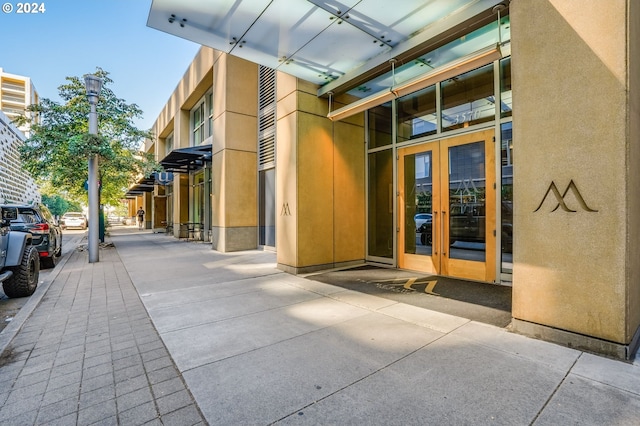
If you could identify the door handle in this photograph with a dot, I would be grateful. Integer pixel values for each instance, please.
(434, 227)
(444, 215)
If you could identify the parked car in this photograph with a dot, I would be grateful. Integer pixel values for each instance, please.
(73, 220)
(19, 266)
(39, 222)
(467, 223)
(422, 218)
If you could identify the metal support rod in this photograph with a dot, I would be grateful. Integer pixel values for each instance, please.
(94, 198)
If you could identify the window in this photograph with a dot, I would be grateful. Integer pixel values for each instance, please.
(202, 120)
(417, 114)
(210, 112)
(468, 99)
(168, 144)
(505, 88)
(379, 125)
(197, 118)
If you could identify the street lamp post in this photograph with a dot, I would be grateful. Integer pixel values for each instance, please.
(93, 85)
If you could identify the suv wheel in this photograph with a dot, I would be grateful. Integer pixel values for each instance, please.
(48, 262)
(25, 277)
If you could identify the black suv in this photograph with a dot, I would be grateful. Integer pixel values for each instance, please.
(39, 222)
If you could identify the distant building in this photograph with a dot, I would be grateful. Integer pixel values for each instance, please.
(16, 94)
(16, 185)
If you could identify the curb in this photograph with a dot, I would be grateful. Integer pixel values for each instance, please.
(10, 331)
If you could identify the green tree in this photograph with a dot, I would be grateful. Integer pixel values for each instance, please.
(59, 145)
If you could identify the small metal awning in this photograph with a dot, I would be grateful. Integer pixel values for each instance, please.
(184, 160)
(146, 184)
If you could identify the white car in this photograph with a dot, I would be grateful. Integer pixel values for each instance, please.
(422, 219)
(73, 220)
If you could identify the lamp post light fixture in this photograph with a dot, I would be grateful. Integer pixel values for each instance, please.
(93, 85)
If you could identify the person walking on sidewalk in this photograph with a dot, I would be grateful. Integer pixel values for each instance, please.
(140, 214)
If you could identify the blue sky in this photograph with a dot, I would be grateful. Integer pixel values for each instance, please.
(73, 37)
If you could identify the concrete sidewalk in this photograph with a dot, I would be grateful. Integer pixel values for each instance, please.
(255, 345)
(88, 354)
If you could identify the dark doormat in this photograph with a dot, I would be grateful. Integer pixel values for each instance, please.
(482, 302)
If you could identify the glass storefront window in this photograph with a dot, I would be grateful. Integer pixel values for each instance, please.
(506, 197)
(169, 192)
(198, 197)
(267, 207)
(468, 99)
(505, 88)
(379, 125)
(417, 114)
(380, 204)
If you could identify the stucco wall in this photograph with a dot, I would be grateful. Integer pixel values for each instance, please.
(570, 124)
(633, 178)
(320, 182)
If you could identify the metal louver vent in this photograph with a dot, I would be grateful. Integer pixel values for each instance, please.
(266, 118)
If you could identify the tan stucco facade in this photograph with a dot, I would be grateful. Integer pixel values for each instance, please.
(575, 73)
(320, 177)
(233, 197)
(235, 142)
(576, 120)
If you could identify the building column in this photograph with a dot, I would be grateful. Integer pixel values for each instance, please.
(576, 275)
(234, 174)
(320, 182)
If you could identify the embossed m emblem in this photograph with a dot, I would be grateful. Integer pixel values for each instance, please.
(560, 198)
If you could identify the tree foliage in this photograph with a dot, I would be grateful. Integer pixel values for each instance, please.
(60, 145)
(59, 205)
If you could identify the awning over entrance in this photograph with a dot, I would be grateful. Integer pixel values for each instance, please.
(332, 44)
(143, 185)
(184, 160)
(180, 160)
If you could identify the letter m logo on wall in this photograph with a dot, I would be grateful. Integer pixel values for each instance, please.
(560, 198)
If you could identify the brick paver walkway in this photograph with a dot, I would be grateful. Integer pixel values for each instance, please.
(89, 354)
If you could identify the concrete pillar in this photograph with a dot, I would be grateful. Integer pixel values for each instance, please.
(234, 161)
(575, 73)
(320, 190)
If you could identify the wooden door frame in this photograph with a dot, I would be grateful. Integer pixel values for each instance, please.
(439, 262)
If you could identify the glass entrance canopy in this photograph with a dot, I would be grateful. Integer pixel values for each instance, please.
(326, 42)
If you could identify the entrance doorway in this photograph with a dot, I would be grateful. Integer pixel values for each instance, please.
(447, 207)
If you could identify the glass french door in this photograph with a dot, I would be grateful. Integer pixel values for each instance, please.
(447, 213)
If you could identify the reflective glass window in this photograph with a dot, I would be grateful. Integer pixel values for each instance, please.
(505, 88)
(267, 207)
(467, 202)
(380, 208)
(379, 125)
(198, 124)
(417, 114)
(506, 198)
(468, 99)
(210, 113)
(418, 208)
